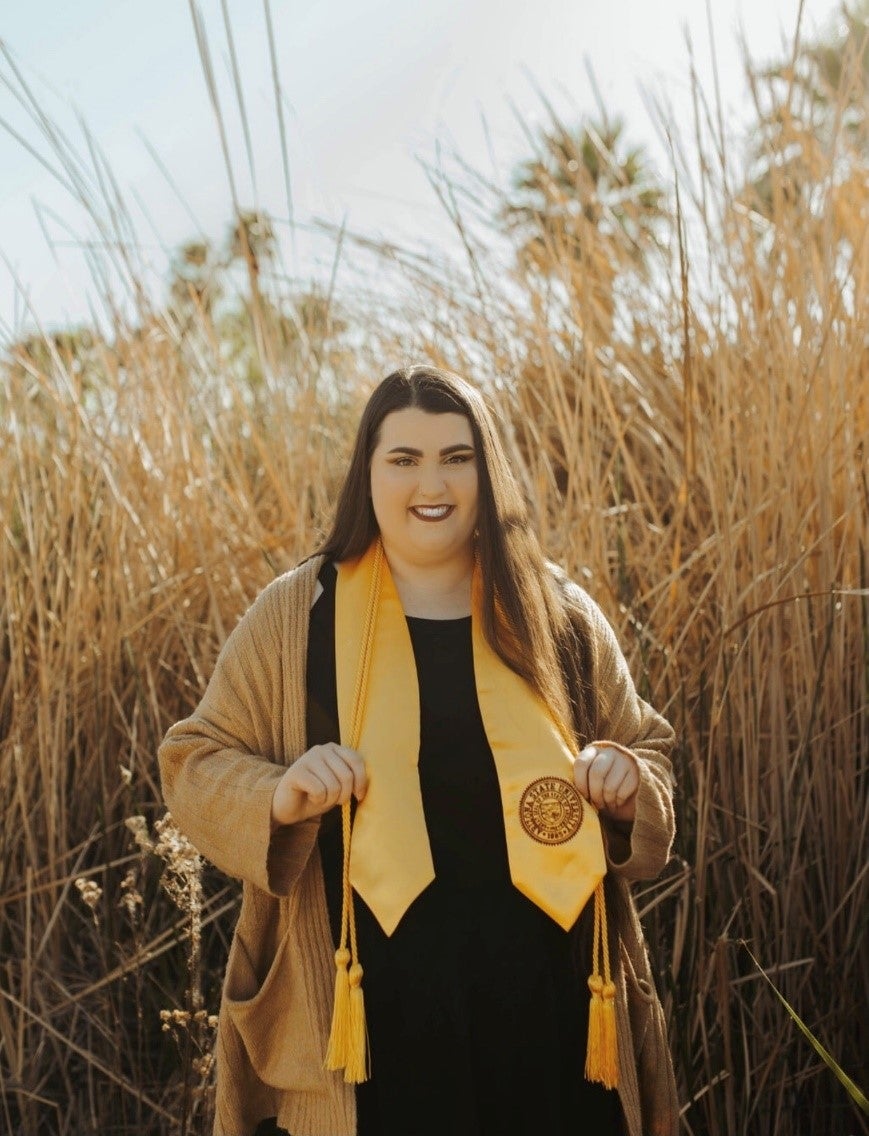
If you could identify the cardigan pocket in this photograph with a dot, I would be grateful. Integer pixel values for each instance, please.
(659, 1105)
(272, 1017)
(641, 1001)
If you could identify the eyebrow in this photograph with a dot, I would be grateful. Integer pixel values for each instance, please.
(445, 452)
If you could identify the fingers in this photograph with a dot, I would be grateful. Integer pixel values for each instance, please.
(324, 776)
(348, 769)
(317, 782)
(332, 774)
(606, 777)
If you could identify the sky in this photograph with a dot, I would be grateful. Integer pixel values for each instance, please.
(372, 92)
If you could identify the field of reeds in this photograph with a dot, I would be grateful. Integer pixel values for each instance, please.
(683, 378)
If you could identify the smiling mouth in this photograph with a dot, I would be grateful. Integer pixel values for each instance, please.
(432, 512)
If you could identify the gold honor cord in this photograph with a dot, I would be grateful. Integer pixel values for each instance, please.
(348, 1039)
(601, 1053)
(554, 841)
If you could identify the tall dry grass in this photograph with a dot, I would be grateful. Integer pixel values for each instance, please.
(141, 513)
(692, 434)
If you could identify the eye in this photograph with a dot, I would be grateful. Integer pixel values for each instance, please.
(404, 461)
(459, 459)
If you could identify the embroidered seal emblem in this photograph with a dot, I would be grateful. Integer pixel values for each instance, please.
(550, 810)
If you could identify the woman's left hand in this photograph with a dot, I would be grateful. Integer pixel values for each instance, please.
(609, 779)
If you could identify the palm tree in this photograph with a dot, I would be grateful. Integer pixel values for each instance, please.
(585, 177)
(195, 278)
(586, 209)
(835, 68)
(810, 107)
(251, 239)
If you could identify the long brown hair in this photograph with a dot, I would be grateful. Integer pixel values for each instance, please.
(526, 616)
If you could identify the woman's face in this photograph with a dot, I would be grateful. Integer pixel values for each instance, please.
(424, 486)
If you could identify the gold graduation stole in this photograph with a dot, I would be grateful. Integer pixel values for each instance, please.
(554, 841)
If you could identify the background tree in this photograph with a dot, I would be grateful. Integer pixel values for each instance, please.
(195, 283)
(590, 219)
(810, 106)
(588, 206)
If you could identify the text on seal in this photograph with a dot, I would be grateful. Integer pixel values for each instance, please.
(550, 810)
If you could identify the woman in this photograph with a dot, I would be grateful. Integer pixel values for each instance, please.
(430, 669)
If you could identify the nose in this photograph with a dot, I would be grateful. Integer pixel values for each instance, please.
(431, 481)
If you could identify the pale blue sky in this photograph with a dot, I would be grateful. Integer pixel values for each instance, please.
(370, 86)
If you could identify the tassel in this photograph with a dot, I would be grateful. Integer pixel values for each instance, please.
(609, 1046)
(595, 1029)
(356, 1064)
(336, 1054)
(601, 1059)
(602, 1055)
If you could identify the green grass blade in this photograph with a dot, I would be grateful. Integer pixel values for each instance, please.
(856, 1095)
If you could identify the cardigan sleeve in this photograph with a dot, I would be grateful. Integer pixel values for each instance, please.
(638, 851)
(219, 767)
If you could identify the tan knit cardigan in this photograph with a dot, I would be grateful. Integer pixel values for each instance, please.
(219, 769)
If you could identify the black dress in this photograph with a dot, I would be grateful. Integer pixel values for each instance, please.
(477, 1005)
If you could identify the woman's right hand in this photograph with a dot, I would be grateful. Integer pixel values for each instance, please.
(324, 776)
